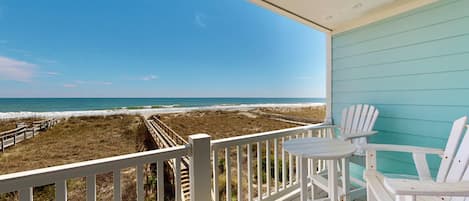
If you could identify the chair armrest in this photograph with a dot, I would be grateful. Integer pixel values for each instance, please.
(329, 126)
(426, 188)
(357, 135)
(403, 148)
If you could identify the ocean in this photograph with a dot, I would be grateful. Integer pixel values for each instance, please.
(86, 104)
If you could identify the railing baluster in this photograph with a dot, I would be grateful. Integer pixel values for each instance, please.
(297, 165)
(215, 176)
(267, 162)
(249, 161)
(259, 171)
(239, 171)
(228, 173)
(117, 185)
(177, 179)
(140, 188)
(61, 190)
(290, 167)
(160, 180)
(284, 166)
(276, 164)
(26, 194)
(91, 188)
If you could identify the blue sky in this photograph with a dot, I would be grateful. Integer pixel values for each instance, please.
(143, 48)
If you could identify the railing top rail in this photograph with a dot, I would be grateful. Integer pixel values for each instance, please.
(253, 138)
(44, 176)
(12, 131)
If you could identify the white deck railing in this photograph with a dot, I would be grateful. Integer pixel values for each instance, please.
(23, 182)
(268, 144)
(204, 156)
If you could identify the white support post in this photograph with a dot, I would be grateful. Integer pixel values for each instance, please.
(140, 183)
(91, 188)
(61, 190)
(200, 167)
(26, 194)
(250, 182)
(228, 173)
(117, 185)
(303, 179)
(177, 178)
(239, 170)
(346, 179)
(160, 180)
(216, 191)
(332, 172)
(328, 78)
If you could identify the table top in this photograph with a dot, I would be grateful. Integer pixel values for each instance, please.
(320, 148)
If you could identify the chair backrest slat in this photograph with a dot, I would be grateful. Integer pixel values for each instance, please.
(361, 124)
(373, 119)
(451, 147)
(349, 120)
(358, 118)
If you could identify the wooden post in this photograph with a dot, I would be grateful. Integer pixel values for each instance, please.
(14, 139)
(3, 144)
(200, 167)
(24, 134)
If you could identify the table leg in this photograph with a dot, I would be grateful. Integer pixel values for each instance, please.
(345, 179)
(332, 172)
(304, 178)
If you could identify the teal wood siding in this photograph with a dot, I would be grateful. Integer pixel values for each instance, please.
(415, 68)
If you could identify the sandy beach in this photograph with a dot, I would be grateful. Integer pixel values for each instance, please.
(147, 112)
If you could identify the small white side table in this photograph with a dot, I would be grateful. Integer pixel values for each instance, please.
(322, 149)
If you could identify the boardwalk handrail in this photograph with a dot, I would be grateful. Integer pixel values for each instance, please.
(23, 132)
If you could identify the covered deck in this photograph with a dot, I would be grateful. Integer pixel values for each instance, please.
(407, 57)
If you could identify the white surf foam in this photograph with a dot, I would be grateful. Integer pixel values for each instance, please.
(145, 112)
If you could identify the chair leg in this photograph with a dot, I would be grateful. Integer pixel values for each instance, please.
(369, 194)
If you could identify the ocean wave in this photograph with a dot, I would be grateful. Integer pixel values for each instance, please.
(146, 111)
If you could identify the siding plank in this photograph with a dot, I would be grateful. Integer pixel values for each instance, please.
(414, 69)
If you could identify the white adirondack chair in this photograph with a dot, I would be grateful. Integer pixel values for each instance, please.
(452, 179)
(357, 124)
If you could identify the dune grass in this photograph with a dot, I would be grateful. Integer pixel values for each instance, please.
(74, 140)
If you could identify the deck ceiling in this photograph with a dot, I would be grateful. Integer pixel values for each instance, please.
(337, 16)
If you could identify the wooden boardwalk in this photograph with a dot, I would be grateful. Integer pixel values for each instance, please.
(23, 132)
(165, 137)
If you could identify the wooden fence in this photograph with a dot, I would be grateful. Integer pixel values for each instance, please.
(23, 132)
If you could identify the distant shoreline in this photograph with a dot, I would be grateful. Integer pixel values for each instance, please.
(147, 111)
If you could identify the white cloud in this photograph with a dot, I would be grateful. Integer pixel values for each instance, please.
(70, 85)
(150, 77)
(11, 69)
(199, 20)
